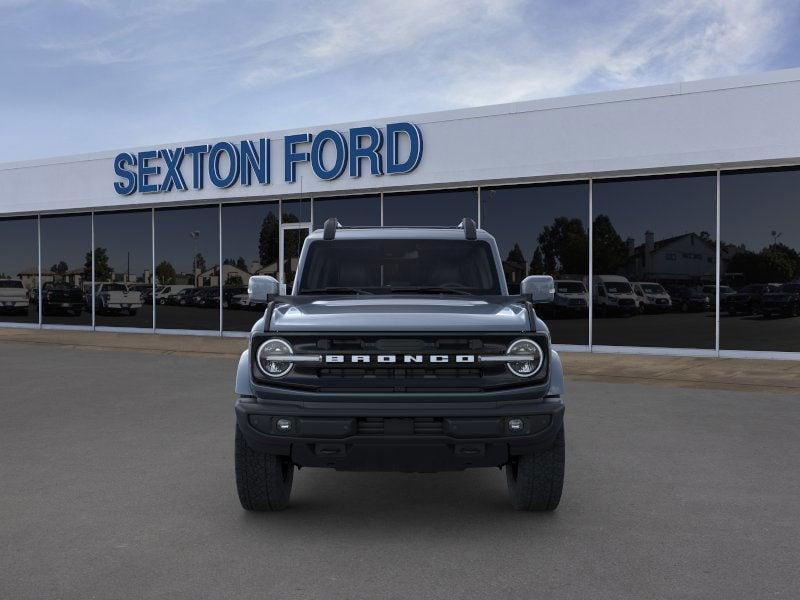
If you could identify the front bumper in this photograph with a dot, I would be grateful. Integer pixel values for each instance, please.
(398, 436)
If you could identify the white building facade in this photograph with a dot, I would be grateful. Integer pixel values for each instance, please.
(689, 184)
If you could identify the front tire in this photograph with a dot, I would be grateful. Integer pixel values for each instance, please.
(263, 481)
(535, 480)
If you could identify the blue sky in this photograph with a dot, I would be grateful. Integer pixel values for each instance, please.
(88, 75)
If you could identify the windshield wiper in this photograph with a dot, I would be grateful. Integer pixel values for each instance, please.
(432, 289)
(336, 290)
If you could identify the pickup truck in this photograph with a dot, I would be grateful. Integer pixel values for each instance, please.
(14, 298)
(399, 349)
(115, 298)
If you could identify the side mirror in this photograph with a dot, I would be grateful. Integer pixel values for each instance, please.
(538, 288)
(261, 287)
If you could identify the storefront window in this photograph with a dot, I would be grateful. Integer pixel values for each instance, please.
(19, 270)
(67, 269)
(440, 208)
(249, 247)
(351, 211)
(760, 260)
(187, 268)
(543, 229)
(654, 261)
(123, 265)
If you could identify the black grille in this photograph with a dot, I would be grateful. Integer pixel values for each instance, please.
(414, 373)
(415, 426)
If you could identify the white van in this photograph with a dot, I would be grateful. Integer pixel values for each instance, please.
(651, 297)
(570, 298)
(613, 294)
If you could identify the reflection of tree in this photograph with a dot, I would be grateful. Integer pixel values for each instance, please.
(199, 262)
(102, 271)
(165, 273)
(60, 268)
(268, 241)
(563, 248)
(776, 263)
(610, 253)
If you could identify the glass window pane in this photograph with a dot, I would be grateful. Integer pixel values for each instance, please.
(543, 229)
(66, 269)
(296, 211)
(19, 270)
(654, 261)
(187, 269)
(439, 209)
(249, 247)
(352, 211)
(123, 264)
(760, 260)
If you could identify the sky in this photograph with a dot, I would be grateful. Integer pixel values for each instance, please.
(90, 75)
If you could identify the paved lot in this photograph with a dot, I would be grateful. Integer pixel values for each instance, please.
(117, 482)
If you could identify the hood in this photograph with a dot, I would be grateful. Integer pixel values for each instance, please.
(399, 313)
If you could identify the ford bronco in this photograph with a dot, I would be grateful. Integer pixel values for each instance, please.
(399, 349)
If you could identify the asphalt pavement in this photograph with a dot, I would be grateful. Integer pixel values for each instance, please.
(116, 481)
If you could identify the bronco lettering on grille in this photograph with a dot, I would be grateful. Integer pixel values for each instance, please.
(398, 358)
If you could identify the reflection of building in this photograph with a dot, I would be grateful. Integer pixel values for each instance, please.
(686, 258)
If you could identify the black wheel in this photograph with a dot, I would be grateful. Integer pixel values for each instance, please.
(263, 481)
(535, 480)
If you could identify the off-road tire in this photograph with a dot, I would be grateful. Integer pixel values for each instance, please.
(263, 481)
(535, 480)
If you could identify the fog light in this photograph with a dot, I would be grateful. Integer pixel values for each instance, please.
(283, 425)
(516, 424)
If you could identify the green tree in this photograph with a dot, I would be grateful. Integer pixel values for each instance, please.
(537, 266)
(610, 252)
(102, 271)
(59, 268)
(564, 247)
(268, 241)
(165, 273)
(241, 263)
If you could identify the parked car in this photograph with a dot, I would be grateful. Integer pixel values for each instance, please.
(205, 297)
(726, 292)
(689, 299)
(613, 294)
(228, 293)
(784, 301)
(168, 292)
(748, 299)
(241, 302)
(146, 291)
(62, 298)
(110, 298)
(14, 298)
(571, 298)
(651, 297)
(182, 297)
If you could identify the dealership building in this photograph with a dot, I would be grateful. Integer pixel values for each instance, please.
(669, 216)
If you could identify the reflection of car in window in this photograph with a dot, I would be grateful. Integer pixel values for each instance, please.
(613, 294)
(783, 301)
(14, 298)
(570, 299)
(689, 299)
(62, 298)
(747, 300)
(651, 297)
(115, 298)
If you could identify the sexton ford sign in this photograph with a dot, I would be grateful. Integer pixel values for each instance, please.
(225, 164)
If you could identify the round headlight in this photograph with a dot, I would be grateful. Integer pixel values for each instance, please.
(534, 358)
(273, 368)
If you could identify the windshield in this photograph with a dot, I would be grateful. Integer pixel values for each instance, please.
(10, 283)
(399, 266)
(652, 288)
(570, 287)
(618, 288)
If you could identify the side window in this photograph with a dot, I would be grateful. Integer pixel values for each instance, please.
(601, 291)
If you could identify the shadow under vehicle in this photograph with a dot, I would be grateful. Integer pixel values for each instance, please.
(14, 298)
(785, 301)
(400, 349)
(62, 298)
(747, 301)
(651, 297)
(689, 299)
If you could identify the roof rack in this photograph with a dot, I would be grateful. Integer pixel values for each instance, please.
(467, 224)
